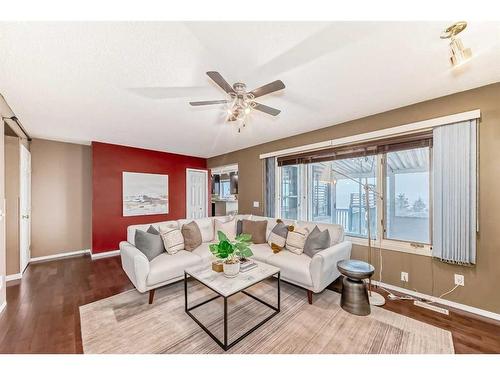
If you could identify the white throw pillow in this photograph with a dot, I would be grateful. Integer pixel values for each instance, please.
(206, 226)
(228, 228)
(173, 240)
(296, 240)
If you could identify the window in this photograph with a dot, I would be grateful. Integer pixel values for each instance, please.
(289, 188)
(337, 195)
(329, 188)
(407, 195)
(225, 189)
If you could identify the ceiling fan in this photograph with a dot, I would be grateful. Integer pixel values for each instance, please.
(240, 102)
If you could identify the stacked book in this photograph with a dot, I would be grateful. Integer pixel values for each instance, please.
(247, 265)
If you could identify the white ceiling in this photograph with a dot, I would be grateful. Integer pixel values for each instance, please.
(80, 82)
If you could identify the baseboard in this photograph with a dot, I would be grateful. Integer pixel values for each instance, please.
(61, 255)
(441, 301)
(106, 254)
(15, 276)
(2, 306)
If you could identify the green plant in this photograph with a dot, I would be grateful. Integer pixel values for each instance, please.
(230, 251)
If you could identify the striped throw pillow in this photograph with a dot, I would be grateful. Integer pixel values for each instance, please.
(172, 239)
(296, 239)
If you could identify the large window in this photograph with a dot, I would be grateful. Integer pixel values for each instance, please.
(337, 195)
(332, 191)
(407, 195)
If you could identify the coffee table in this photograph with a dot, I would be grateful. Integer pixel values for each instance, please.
(226, 287)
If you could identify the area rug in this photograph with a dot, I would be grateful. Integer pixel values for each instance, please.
(126, 323)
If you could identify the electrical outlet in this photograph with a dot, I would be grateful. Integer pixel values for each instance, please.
(459, 280)
(256, 204)
(404, 276)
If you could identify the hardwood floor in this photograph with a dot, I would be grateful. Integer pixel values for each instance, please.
(42, 313)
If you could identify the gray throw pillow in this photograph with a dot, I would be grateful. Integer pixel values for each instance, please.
(153, 230)
(316, 241)
(278, 235)
(149, 244)
(239, 227)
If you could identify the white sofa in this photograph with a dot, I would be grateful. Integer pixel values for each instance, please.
(313, 274)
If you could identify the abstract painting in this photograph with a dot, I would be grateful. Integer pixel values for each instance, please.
(145, 194)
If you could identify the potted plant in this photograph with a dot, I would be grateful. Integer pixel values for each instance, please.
(230, 252)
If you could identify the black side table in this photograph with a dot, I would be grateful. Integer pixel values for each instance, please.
(354, 294)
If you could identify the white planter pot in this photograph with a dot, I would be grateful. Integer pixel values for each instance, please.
(231, 270)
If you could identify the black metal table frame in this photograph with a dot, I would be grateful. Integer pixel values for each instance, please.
(224, 345)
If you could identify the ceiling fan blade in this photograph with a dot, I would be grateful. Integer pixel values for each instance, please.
(266, 109)
(217, 78)
(208, 102)
(269, 88)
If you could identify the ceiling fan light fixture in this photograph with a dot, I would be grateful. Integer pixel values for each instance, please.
(458, 53)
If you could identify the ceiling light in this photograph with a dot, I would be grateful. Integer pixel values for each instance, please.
(458, 53)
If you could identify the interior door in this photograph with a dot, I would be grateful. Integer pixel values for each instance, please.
(196, 193)
(25, 207)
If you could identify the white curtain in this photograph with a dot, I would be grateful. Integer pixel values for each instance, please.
(270, 198)
(454, 192)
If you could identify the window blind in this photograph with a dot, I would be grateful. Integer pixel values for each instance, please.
(378, 146)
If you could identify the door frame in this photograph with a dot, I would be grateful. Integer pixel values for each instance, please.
(205, 171)
(22, 266)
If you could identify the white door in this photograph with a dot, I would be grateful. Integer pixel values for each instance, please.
(196, 193)
(25, 208)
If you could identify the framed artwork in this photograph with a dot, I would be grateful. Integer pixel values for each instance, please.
(145, 194)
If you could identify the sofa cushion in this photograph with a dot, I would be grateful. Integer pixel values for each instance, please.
(149, 244)
(165, 266)
(228, 228)
(192, 236)
(206, 226)
(278, 234)
(293, 267)
(336, 231)
(172, 239)
(296, 239)
(144, 227)
(316, 241)
(257, 229)
(203, 251)
(261, 252)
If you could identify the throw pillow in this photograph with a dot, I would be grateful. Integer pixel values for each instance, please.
(296, 240)
(257, 229)
(153, 230)
(149, 244)
(172, 240)
(228, 228)
(239, 227)
(278, 234)
(192, 236)
(316, 241)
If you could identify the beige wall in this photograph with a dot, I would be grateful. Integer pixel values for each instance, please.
(61, 197)
(425, 274)
(12, 182)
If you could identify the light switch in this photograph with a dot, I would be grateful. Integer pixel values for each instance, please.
(255, 204)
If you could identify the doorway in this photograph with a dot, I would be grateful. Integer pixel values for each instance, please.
(24, 207)
(196, 193)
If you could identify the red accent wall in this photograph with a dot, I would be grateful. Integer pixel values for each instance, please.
(109, 226)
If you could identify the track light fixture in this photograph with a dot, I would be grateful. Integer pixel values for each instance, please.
(458, 53)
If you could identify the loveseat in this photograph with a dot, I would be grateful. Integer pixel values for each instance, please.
(313, 274)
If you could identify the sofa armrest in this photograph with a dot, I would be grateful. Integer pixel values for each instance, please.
(323, 267)
(135, 265)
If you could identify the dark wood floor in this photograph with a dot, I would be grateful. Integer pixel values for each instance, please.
(42, 313)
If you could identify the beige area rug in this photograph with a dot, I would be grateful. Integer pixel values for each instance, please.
(125, 323)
